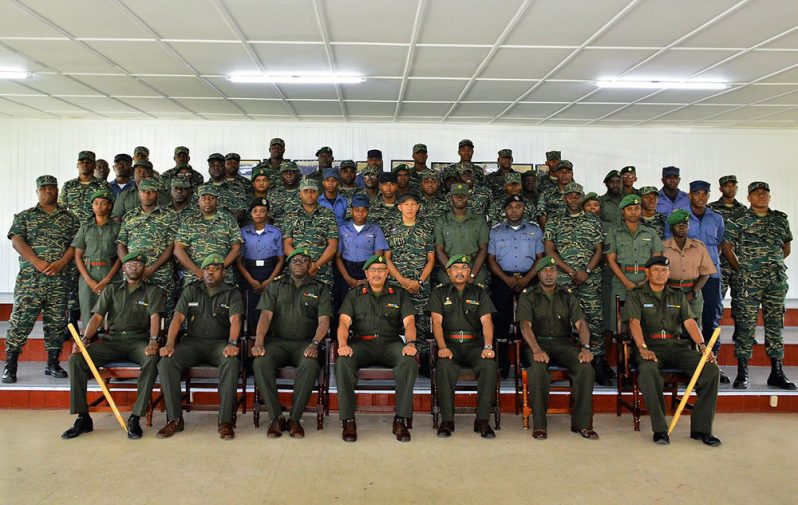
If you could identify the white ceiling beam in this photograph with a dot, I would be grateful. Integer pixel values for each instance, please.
(411, 55)
(321, 22)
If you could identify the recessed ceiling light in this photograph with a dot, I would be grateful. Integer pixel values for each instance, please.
(14, 74)
(296, 78)
(661, 85)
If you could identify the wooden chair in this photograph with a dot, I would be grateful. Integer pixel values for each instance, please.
(558, 375)
(628, 374)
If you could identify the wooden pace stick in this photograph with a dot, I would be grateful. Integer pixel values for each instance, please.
(97, 377)
(694, 379)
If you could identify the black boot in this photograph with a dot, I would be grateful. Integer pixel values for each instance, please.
(741, 381)
(53, 368)
(777, 377)
(10, 370)
(603, 371)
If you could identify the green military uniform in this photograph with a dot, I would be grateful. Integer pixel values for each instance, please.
(206, 235)
(665, 313)
(610, 213)
(552, 201)
(383, 215)
(655, 222)
(479, 200)
(208, 312)
(462, 332)
(312, 231)
(553, 319)
(495, 182)
(546, 180)
(49, 234)
(728, 212)
(296, 311)
(75, 195)
(377, 315)
(432, 208)
(128, 200)
(98, 244)
(128, 309)
(230, 200)
(462, 236)
(283, 201)
(497, 211)
(455, 168)
(409, 246)
(195, 177)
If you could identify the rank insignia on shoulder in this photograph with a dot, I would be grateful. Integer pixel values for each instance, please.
(390, 291)
(278, 277)
(447, 301)
(365, 290)
(311, 295)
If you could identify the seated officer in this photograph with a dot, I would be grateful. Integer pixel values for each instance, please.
(212, 310)
(462, 326)
(296, 308)
(133, 308)
(376, 313)
(548, 313)
(658, 316)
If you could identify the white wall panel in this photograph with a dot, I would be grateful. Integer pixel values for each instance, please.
(34, 147)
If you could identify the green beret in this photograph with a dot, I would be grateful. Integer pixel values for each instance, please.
(148, 185)
(545, 261)
(458, 258)
(46, 180)
(374, 259)
(629, 200)
(287, 166)
(727, 178)
(610, 175)
(258, 172)
(212, 259)
(299, 250)
(758, 185)
(86, 155)
(459, 189)
(506, 153)
(308, 184)
(647, 190)
(102, 193)
(628, 170)
(512, 178)
(134, 256)
(590, 197)
(678, 216)
(208, 189)
(573, 187)
(401, 166)
(181, 150)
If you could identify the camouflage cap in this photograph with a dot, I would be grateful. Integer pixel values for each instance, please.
(324, 150)
(610, 175)
(465, 142)
(134, 256)
(574, 187)
(142, 163)
(678, 216)
(629, 200)
(553, 156)
(296, 252)
(306, 183)
(372, 170)
(379, 259)
(545, 261)
(512, 178)
(590, 197)
(564, 164)
(102, 193)
(400, 167)
(513, 199)
(208, 189)
(86, 155)
(181, 150)
(506, 153)
(288, 166)
(216, 156)
(46, 180)
(658, 260)
(429, 173)
(212, 259)
(758, 185)
(148, 185)
(647, 190)
(232, 156)
(180, 182)
(726, 179)
(141, 150)
(405, 197)
(277, 142)
(628, 170)
(419, 148)
(459, 189)
(347, 164)
(458, 258)
(465, 166)
(259, 172)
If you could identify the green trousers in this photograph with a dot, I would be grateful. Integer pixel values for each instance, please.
(114, 349)
(191, 352)
(468, 354)
(86, 296)
(676, 353)
(282, 352)
(564, 353)
(382, 352)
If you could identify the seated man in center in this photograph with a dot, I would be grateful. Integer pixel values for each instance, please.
(376, 314)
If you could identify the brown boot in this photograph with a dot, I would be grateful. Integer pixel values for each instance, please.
(226, 431)
(349, 433)
(172, 426)
(277, 428)
(400, 430)
(295, 430)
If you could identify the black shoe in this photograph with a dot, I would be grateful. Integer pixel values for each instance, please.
(741, 381)
(53, 368)
(707, 438)
(777, 377)
(82, 425)
(724, 379)
(662, 438)
(445, 429)
(482, 426)
(134, 431)
(10, 370)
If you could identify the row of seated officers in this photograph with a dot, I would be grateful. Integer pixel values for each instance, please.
(376, 326)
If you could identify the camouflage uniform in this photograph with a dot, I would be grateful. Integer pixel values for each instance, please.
(272, 173)
(495, 182)
(728, 213)
(242, 187)
(761, 279)
(203, 237)
(49, 235)
(409, 246)
(195, 178)
(348, 193)
(552, 202)
(128, 200)
(479, 200)
(657, 222)
(230, 199)
(575, 239)
(433, 208)
(282, 201)
(382, 214)
(312, 231)
(74, 196)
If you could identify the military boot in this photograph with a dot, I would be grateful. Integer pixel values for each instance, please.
(777, 377)
(741, 381)
(10, 370)
(53, 367)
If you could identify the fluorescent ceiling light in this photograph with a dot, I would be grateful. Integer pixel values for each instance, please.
(14, 74)
(661, 85)
(297, 78)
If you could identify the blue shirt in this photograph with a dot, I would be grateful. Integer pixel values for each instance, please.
(338, 207)
(355, 246)
(116, 188)
(516, 250)
(709, 230)
(261, 246)
(665, 206)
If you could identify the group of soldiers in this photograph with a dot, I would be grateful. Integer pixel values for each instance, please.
(395, 261)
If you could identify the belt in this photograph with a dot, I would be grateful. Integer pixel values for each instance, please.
(634, 268)
(683, 284)
(461, 335)
(662, 336)
(98, 263)
(139, 334)
(265, 263)
(368, 337)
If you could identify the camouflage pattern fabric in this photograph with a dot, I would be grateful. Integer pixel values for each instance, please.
(728, 213)
(657, 222)
(203, 237)
(74, 195)
(409, 247)
(312, 231)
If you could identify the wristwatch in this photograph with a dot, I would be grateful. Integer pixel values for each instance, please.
(233, 343)
(588, 270)
(488, 347)
(154, 338)
(411, 342)
(315, 342)
(586, 347)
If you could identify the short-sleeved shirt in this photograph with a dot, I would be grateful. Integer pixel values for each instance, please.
(552, 316)
(656, 314)
(311, 230)
(208, 315)
(49, 234)
(296, 309)
(575, 237)
(709, 230)
(461, 310)
(458, 237)
(610, 212)
(203, 237)
(378, 314)
(688, 263)
(97, 242)
(410, 246)
(258, 246)
(339, 206)
(516, 249)
(148, 232)
(129, 311)
(666, 206)
(360, 246)
(758, 241)
(633, 248)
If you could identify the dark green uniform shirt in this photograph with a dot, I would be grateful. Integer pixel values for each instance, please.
(98, 243)
(464, 237)
(633, 249)
(129, 308)
(551, 316)
(377, 313)
(461, 311)
(208, 315)
(665, 313)
(296, 309)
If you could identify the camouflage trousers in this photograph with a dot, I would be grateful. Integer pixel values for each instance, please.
(164, 279)
(35, 294)
(73, 301)
(420, 301)
(589, 295)
(754, 289)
